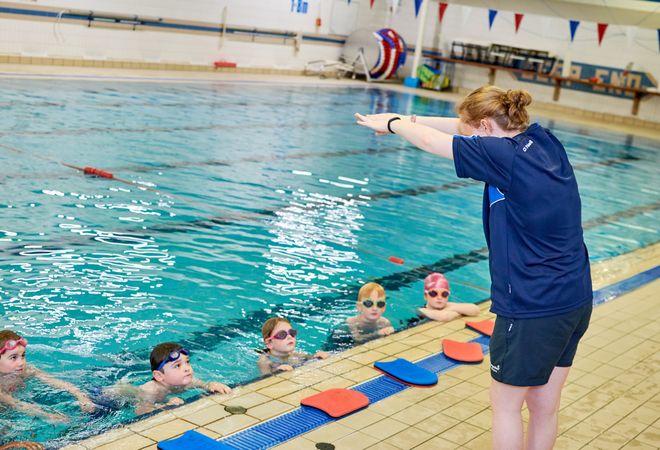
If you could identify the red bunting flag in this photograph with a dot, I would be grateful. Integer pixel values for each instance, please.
(601, 32)
(371, 3)
(441, 10)
(519, 18)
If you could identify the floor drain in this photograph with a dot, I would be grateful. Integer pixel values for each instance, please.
(235, 409)
(324, 446)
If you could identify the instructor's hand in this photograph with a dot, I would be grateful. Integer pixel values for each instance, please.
(377, 122)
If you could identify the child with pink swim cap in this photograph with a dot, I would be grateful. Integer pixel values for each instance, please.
(436, 295)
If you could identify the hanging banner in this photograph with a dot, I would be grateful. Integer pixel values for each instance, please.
(601, 32)
(491, 17)
(518, 19)
(418, 3)
(574, 25)
(442, 7)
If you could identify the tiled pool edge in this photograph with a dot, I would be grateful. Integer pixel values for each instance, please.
(169, 423)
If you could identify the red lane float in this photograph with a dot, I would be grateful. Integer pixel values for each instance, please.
(97, 172)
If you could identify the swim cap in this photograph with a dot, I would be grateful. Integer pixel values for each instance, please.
(435, 281)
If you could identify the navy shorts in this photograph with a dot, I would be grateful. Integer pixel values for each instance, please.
(524, 352)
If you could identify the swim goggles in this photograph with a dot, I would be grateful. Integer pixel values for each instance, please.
(282, 334)
(370, 303)
(12, 344)
(434, 294)
(173, 356)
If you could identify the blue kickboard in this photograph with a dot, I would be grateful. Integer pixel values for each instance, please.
(410, 373)
(192, 440)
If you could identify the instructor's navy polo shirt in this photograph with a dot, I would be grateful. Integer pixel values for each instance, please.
(539, 265)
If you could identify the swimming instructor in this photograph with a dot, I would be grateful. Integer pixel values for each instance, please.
(540, 278)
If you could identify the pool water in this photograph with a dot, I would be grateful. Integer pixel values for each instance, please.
(256, 200)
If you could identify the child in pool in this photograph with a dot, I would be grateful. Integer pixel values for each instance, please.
(14, 371)
(172, 374)
(370, 323)
(436, 295)
(280, 353)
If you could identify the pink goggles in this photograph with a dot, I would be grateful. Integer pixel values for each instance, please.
(12, 344)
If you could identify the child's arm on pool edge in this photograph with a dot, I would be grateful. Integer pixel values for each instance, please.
(84, 401)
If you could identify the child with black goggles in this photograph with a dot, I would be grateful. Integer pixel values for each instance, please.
(280, 353)
(370, 323)
(438, 307)
(14, 372)
(171, 373)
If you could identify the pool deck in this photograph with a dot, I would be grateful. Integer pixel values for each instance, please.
(611, 400)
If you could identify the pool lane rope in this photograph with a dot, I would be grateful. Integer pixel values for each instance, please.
(94, 171)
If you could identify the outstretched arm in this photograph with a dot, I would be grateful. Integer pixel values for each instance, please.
(212, 386)
(83, 400)
(440, 315)
(467, 309)
(30, 409)
(422, 136)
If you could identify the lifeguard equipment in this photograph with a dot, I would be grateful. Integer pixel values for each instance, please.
(375, 54)
(384, 51)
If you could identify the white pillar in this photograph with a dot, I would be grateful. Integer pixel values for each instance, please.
(420, 41)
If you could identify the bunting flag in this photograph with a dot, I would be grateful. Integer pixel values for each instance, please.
(491, 17)
(442, 8)
(418, 3)
(574, 26)
(601, 32)
(519, 18)
(371, 4)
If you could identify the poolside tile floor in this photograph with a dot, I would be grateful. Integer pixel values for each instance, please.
(611, 400)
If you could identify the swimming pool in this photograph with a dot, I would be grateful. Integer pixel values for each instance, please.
(270, 201)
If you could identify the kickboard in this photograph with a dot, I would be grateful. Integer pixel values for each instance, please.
(337, 402)
(407, 372)
(484, 327)
(469, 352)
(192, 440)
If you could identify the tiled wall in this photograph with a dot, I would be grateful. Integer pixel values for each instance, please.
(29, 36)
(25, 35)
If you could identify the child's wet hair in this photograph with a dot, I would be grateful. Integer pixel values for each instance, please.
(161, 352)
(270, 324)
(7, 335)
(370, 288)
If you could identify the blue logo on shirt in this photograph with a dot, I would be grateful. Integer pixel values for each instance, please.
(494, 195)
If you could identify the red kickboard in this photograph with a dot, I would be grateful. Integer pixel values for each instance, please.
(462, 351)
(337, 402)
(485, 327)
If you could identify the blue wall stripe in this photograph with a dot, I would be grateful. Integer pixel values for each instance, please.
(182, 26)
(173, 25)
(289, 425)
